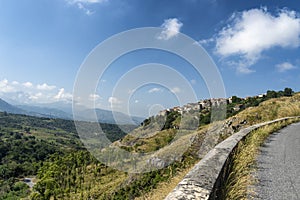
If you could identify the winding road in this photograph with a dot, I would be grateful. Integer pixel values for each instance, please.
(279, 166)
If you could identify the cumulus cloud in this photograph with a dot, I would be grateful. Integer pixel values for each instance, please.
(282, 67)
(36, 96)
(62, 95)
(114, 102)
(45, 86)
(94, 97)
(206, 41)
(254, 31)
(171, 27)
(6, 87)
(28, 92)
(27, 84)
(15, 83)
(153, 90)
(176, 90)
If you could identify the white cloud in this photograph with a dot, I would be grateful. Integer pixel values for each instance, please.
(62, 95)
(254, 31)
(27, 84)
(5, 86)
(136, 101)
(28, 92)
(176, 90)
(94, 97)
(114, 102)
(282, 67)
(171, 27)
(206, 41)
(82, 4)
(45, 86)
(155, 90)
(36, 96)
(15, 83)
(86, 10)
(243, 68)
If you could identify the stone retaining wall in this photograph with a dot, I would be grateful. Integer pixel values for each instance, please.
(204, 180)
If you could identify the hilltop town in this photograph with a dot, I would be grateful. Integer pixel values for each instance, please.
(207, 104)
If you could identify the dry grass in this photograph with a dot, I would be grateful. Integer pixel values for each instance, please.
(164, 188)
(237, 186)
(244, 160)
(272, 109)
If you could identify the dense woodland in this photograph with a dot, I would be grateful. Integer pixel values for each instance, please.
(51, 151)
(28, 143)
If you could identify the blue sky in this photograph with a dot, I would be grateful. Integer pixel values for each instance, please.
(255, 45)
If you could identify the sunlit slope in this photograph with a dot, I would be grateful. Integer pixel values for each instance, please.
(94, 180)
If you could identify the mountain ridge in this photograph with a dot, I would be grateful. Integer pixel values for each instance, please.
(64, 111)
(6, 107)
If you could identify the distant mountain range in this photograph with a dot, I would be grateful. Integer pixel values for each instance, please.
(49, 112)
(64, 111)
(6, 107)
(106, 116)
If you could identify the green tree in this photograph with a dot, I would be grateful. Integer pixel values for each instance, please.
(271, 94)
(288, 92)
(27, 129)
(236, 99)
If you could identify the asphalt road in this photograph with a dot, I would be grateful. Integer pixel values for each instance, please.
(29, 182)
(279, 166)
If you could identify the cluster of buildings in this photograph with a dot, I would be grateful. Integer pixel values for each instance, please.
(199, 106)
(207, 104)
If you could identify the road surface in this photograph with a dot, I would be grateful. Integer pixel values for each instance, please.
(29, 182)
(279, 166)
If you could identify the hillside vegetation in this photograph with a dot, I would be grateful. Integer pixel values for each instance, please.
(64, 170)
(27, 143)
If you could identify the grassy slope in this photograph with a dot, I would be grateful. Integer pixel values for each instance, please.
(266, 111)
(272, 109)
